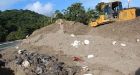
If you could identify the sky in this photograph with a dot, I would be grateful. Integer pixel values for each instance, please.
(47, 7)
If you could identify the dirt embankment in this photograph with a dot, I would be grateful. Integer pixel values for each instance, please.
(111, 49)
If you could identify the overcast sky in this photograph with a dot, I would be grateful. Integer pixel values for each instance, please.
(46, 7)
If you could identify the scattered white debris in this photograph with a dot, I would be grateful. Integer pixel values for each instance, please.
(86, 42)
(138, 40)
(76, 43)
(88, 74)
(90, 56)
(17, 47)
(85, 68)
(114, 42)
(122, 44)
(25, 63)
(72, 35)
(19, 51)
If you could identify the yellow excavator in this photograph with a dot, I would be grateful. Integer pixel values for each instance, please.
(113, 11)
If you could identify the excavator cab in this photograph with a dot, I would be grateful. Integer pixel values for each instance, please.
(113, 9)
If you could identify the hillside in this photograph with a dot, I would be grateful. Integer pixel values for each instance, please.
(17, 24)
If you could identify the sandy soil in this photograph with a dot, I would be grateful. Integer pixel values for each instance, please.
(115, 47)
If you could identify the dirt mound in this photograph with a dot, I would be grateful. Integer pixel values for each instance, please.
(111, 49)
(69, 27)
(115, 45)
(121, 30)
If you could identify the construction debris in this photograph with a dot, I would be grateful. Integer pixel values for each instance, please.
(106, 48)
(75, 58)
(114, 42)
(25, 64)
(40, 64)
(138, 40)
(85, 68)
(86, 42)
(90, 56)
(72, 35)
(122, 44)
(76, 43)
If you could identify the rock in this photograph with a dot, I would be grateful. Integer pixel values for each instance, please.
(58, 66)
(19, 61)
(39, 70)
(26, 64)
(21, 51)
(41, 64)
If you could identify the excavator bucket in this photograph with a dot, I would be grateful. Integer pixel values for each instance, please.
(127, 14)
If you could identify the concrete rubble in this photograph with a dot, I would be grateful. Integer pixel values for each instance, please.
(72, 35)
(76, 43)
(90, 56)
(123, 44)
(114, 42)
(40, 64)
(138, 40)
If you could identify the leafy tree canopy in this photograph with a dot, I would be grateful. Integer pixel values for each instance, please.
(16, 24)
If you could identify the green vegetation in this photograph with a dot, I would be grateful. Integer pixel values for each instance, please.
(17, 24)
(76, 12)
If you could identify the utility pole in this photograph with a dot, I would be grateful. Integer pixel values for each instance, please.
(128, 3)
(113, 0)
